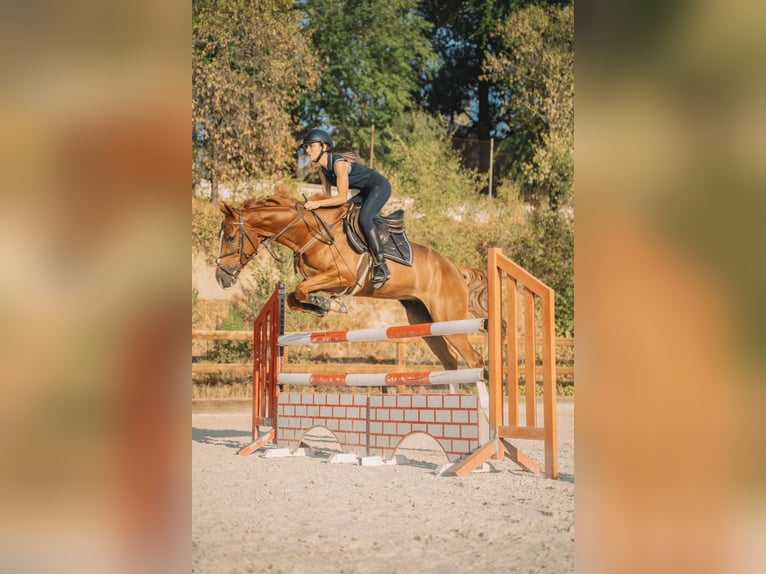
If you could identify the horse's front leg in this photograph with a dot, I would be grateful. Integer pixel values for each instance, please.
(305, 297)
(296, 305)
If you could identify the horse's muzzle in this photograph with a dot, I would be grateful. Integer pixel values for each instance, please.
(225, 277)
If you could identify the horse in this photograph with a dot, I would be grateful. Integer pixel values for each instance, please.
(432, 289)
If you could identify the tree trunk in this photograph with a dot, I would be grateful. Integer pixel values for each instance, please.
(213, 186)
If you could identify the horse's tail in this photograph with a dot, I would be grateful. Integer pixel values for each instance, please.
(478, 291)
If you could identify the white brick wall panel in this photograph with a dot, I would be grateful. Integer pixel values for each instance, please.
(435, 401)
(427, 416)
(469, 402)
(443, 416)
(459, 446)
(359, 425)
(452, 402)
(436, 430)
(459, 416)
(391, 418)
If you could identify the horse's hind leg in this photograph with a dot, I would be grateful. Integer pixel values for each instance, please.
(446, 310)
(418, 313)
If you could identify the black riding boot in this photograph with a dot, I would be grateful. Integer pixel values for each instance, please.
(380, 272)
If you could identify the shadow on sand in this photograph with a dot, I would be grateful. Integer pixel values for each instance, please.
(235, 439)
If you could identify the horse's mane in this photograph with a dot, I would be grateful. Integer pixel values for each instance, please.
(280, 198)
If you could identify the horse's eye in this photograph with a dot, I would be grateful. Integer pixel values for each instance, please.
(230, 238)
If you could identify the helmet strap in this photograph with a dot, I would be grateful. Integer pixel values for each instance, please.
(321, 154)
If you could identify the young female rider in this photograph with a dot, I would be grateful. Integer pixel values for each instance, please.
(374, 189)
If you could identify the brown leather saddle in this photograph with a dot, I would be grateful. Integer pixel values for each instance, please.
(393, 239)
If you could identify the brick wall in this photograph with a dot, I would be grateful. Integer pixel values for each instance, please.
(376, 424)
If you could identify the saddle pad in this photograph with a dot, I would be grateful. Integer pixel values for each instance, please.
(396, 246)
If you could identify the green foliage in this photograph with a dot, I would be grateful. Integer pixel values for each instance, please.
(206, 223)
(426, 173)
(534, 68)
(231, 351)
(547, 251)
(373, 54)
(250, 63)
(195, 301)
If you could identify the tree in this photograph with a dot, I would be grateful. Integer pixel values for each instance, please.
(461, 36)
(546, 250)
(374, 55)
(426, 175)
(533, 65)
(250, 65)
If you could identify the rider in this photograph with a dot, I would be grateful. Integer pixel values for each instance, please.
(374, 189)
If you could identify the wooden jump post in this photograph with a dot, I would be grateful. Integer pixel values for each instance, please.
(502, 272)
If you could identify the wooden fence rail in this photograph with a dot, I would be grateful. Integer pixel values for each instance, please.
(400, 364)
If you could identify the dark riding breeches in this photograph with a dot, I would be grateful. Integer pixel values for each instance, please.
(374, 200)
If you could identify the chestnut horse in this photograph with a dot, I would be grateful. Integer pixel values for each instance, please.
(433, 289)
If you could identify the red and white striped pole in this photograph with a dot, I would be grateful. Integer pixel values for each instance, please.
(384, 379)
(464, 326)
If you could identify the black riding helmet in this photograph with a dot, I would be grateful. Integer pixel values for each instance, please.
(317, 135)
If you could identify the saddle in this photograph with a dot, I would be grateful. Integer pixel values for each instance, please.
(390, 228)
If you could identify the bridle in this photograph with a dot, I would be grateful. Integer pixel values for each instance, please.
(244, 259)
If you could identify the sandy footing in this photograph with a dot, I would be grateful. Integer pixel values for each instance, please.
(304, 515)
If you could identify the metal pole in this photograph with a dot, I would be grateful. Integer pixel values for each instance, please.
(491, 162)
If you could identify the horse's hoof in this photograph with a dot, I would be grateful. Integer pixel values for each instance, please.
(319, 301)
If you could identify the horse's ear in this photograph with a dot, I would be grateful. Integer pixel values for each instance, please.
(225, 209)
